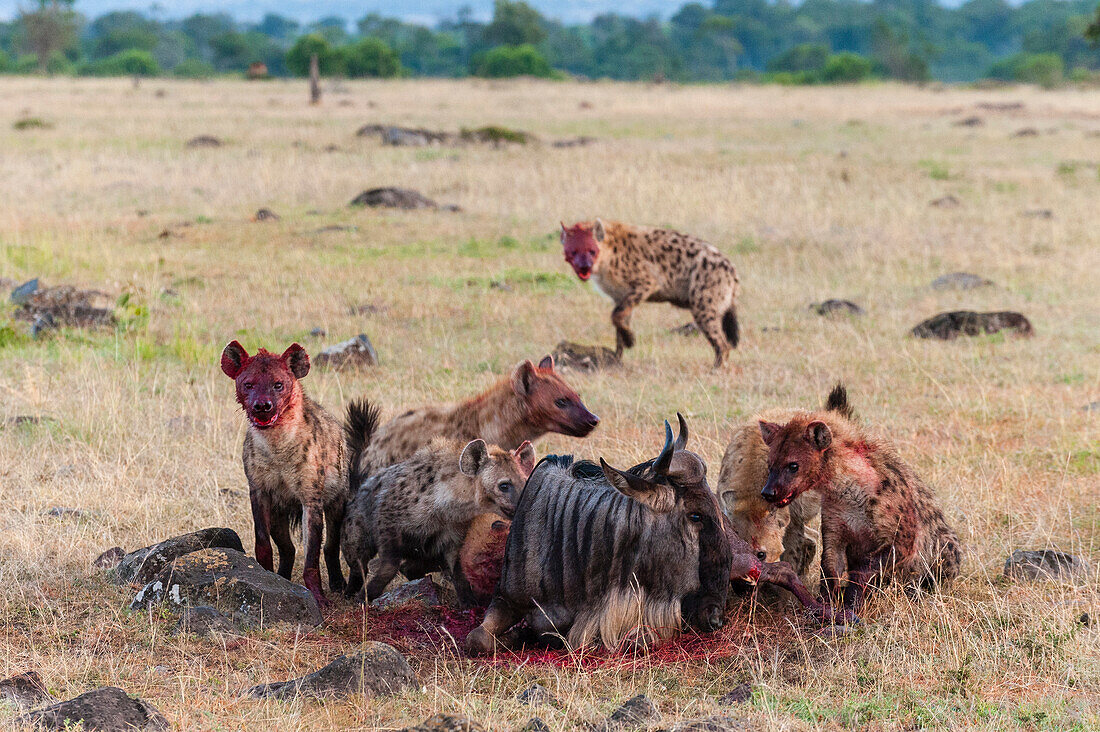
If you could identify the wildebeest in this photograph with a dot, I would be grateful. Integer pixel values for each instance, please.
(596, 553)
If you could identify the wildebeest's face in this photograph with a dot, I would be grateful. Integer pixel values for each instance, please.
(267, 385)
(796, 457)
(675, 486)
(581, 247)
(501, 474)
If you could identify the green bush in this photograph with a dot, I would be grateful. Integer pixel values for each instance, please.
(6, 63)
(58, 63)
(803, 57)
(193, 68)
(370, 57)
(846, 68)
(1044, 69)
(507, 61)
(26, 64)
(131, 62)
(331, 61)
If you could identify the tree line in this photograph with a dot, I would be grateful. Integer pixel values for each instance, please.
(816, 41)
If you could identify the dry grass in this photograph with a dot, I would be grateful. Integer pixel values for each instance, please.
(814, 193)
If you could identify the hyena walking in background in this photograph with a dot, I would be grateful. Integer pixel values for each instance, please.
(633, 264)
(521, 408)
(879, 521)
(295, 459)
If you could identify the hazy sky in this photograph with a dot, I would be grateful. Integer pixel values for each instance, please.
(427, 11)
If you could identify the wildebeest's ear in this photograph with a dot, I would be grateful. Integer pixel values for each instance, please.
(819, 435)
(547, 362)
(473, 457)
(234, 359)
(598, 231)
(297, 360)
(682, 437)
(768, 430)
(525, 456)
(523, 378)
(660, 498)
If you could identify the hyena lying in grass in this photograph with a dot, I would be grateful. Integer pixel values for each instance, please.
(879, 521)
(775, 533)
(633, 264)
(421, 509)
(532, 401)
(295, 459)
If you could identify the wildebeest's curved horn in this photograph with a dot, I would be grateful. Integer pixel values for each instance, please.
(682, 437)
(660, 465)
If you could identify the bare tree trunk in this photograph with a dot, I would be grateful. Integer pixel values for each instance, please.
(314, 80)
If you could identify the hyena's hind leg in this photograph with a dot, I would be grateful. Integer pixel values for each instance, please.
(709, 321)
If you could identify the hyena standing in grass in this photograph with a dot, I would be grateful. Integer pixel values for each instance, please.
(521, 408)
(879, 521)
(633, 264)
(295, 459)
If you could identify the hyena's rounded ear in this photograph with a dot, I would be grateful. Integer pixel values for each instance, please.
(597, 230)
(547, 362)
(473, 457)
(234, 359)
(819, 435)
(564, 230)
(523, 379)
(297, 360)
(768, 431)
(525, 456)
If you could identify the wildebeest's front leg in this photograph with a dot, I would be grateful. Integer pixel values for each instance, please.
(620, 316)
(313, 526)
(261, 519)
(485, 638)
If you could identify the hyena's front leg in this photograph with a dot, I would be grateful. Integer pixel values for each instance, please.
(280, 534)
(620, 316)
(313, 528)
(261, 519)
(334, 521)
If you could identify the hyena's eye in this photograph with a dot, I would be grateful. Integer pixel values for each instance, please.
(505, 486)
(277, 386)
(561, 402)
(761, 555)
(792, 467)
(248, 385)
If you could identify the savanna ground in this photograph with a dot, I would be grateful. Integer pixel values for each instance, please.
(814, 193)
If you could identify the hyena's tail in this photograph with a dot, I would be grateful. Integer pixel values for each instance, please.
(359, 426)
(837, 401)
(730, 327)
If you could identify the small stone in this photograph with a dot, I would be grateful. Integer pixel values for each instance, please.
(582, 141)
(377, 670)
(716, 724)
(947, 201)
(1091, 407)
(1045, 564)
(960, 281)
(66, 512)
(837, 307)
(1026, 132)
(318, 332)
(422, 590)
(500, 285)
(25, 691)
(266, 214)
(109, 708)
(635, 713)
(446, 723)
(204, 621)
(204, 141)
(536, 694)
(738, 695)
(1039, 213)
(970, 122)
(687, 330)
(357, 352)
(1085, 620)
(23, 293)
(142, 565)
(161, 670)
(110, 558)
(536, 725)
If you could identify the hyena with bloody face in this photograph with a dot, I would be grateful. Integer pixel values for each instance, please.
(295, 459)
(421, 509)
(879, 521)
(633, 264)
(521, 408)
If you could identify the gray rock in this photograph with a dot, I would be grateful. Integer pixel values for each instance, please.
(204, 621)
(635, 713)
(970, 122)
(204, 141)
(232, 583)
(266, 214)
(960, 281)
(687, 330)
(422, 590)
(357, 352)
(584, 358)
(110, 558)
(536, 694)
(446, 723)
(948, 326)
(107, 709)
(67, 512)
(1039, 213)
(1045, 564)
(402, 198)
(738, 695)
(318, 332)
(142, 565)
(535, 724)
(837, 307)
(377, 670)
(25, 691)
(947, 201)
(717, 724)
(23, 293)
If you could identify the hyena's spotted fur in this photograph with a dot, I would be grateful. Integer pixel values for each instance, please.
(421, 509)
(521, 408)
(295, 459)
(879, 520)
(633, 264)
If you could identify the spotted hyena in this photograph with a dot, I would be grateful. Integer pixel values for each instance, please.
(295, 459)
(879, 521)
(633, 264)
